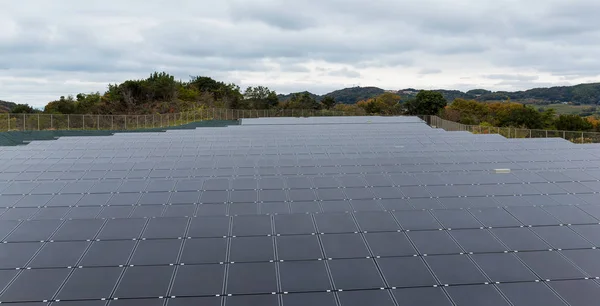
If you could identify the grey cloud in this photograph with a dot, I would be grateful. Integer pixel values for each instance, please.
(294, 68)
(105, 40)
(276, 14)
(515, 77)
(430, 71)
(345, 72)
(511, 85)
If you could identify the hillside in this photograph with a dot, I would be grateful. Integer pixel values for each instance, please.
(6, 106)
(355, 94)
(289, 96)
(162, 93)
(583, 94)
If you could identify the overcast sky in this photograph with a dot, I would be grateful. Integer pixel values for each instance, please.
(61, 47)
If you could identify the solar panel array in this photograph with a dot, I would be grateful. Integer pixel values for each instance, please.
(300, 211)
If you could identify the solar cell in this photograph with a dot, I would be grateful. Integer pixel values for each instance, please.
(476, 295)
(59, 254)
(35, 285)
(421, 296)
(344, 271)
(313, 298)
(90, 283)
(108, 253)
(523, 294)
(144, 282)
(356, 298)
(298, 247)
(200, 280)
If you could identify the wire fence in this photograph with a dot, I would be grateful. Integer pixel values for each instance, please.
(43, 122)
(510, 132)
(82, 122)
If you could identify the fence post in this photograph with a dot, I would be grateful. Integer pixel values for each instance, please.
(530, 133)
(564, 135)
(546, 133)
(38, 122)
(581, 137)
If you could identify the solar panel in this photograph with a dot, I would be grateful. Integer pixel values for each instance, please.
(325, 211)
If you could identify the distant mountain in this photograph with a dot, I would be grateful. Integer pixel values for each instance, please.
(5, 106)
(578, 94)
(355, 94)
(289, 96)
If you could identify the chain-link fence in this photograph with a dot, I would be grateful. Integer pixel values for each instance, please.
(509, 132)
(79, 122)
(41, 122)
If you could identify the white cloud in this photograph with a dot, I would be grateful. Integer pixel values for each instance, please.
(54, 48)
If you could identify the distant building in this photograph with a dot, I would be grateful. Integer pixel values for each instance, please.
(410, 92)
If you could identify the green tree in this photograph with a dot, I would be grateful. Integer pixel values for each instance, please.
(425, 103)
(469, 111)
(303, 101)
(260, 97)
(572, 123)
(548, 118)
(272, 99)
(524, 117)
(61, 106)
(161, 86)
(328, 102)
(23, 109)
(87, 103)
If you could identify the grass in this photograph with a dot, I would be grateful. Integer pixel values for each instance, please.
(566, 109)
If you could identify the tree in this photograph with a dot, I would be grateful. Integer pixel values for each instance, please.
(87, 103)
(227, 94)
(161, 86)
(425, 103)
(385, 104)
(526, 117)
(371, 106)
(328, 102)
(23, 109)
(469, 111)
(302, 101)
(548, 118)
(272, 99)
(61, 106)
(260, 97)
(572, 123)
(390, 102)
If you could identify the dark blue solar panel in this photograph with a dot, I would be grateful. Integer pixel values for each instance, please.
(300, 211)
